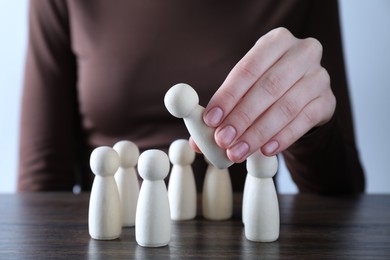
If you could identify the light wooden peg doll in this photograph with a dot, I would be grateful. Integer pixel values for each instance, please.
(260, 205)
(182, 188)
(104, 215)
(153, 219)
(182, 101)
(127, 180)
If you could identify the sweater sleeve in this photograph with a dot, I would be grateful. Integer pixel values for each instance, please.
(326, 160)
(49, 103)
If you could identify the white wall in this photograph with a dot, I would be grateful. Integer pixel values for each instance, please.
(366, 38)
(366, 28)
(13, 35)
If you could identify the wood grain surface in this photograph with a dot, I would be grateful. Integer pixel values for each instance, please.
(54, 226)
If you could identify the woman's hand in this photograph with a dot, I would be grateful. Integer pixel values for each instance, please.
(275, 94)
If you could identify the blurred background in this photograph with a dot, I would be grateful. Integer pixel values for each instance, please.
(366, 35)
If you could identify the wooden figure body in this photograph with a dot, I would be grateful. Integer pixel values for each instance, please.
(127, 181)
(217, 194)
(182, 188)
(183, 102)
(248, 182)
(153, 220)
(261, 207)
(104, 215)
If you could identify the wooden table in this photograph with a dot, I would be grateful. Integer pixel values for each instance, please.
(54, 225)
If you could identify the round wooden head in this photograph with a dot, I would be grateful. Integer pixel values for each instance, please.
(180, 100)
(181, 153)
(104, 161)
(128, 153)
(261, 166)
(153, 165)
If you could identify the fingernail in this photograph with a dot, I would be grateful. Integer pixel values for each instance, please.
(213, 117)
(271, 147)
(226, 135)
(239, 151)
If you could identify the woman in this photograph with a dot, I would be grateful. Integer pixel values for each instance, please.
(97, 72)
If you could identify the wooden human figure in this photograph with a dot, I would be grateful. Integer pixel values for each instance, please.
(104, 215)
(182, 101)
(127, 181)
(182, 188)
(217, 194)
(153, 220)
(260, 206)
(244, 195)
